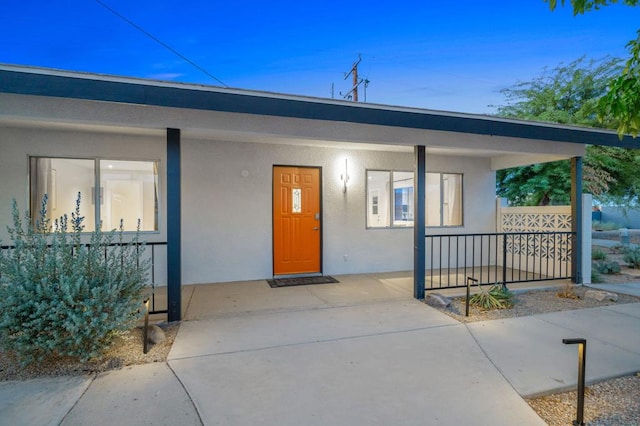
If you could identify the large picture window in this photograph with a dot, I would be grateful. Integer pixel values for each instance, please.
(127, 191)
(390, 199)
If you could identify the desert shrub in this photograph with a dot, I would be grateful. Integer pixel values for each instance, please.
(606, 267)
(596, 277)
(60, 297)
(569, 291)
(632, 257)
(497, 297)
(598, 254)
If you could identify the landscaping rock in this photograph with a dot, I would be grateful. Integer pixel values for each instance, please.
(601, 295)
(436, 299)
(156, 335)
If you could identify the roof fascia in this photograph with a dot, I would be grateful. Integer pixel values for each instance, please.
(96, 89)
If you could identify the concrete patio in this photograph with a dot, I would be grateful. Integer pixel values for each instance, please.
(204, 301)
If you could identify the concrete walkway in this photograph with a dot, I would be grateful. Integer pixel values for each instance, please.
(361, 352)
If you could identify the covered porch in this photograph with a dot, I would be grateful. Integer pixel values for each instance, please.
(214, 151)
(216, 300)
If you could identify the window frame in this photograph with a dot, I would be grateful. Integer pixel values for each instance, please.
(442, 203)
(390, 196)
(378, 191)
(95, 197)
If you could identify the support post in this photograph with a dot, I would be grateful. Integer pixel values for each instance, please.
(504, 261)
(587, 203)
(576, 219)
(419, 242)
(174, 223)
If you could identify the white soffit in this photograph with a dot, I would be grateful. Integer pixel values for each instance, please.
(500, 159)
(516, 160)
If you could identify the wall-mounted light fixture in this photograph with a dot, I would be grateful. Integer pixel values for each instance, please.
(345, 176)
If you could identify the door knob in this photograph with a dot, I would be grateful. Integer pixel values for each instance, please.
(316, 229)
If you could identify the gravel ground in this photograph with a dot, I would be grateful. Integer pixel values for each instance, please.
(612, 402)
(531, 303)
(126, 350)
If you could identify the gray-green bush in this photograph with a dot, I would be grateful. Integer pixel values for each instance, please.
(596, 277)
(632, 257)
(60, 297)
(606, 267)
(598, 254)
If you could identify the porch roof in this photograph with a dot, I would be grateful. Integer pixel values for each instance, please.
(488, 130)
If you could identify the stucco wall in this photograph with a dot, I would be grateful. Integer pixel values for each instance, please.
(624, 218)
(227, 216)
(226, 198)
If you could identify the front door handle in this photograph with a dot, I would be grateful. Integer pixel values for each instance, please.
(316, 229)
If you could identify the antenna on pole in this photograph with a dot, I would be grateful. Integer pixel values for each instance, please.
(353, 93)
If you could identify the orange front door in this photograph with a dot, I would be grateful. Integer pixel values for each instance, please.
(296, 220)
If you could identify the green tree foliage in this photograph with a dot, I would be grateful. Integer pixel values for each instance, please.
(582, 6)
(62, 298)
(621, 101)
(619, 180)
(537, 185)
(568, 94)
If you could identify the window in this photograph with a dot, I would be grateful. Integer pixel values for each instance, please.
(128, 191)
(390, 199)
(402, 198)
(378, 190)
(444, 199)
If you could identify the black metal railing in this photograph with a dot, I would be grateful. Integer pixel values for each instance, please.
(507, 257)
(157, 268)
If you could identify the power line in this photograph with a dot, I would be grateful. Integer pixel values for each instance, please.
(160, 42)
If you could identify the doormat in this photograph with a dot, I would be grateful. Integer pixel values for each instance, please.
(288, 282)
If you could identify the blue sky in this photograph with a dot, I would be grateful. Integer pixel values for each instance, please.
(447, 55)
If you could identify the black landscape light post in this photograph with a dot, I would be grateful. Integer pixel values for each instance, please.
(469, 280)
(145, 330)
(582, 361)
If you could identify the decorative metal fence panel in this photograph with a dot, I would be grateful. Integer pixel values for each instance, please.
(505, 257)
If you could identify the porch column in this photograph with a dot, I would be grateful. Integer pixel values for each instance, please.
(419, 244)
(174, 238)
(576, 219)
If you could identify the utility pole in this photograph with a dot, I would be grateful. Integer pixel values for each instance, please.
(354, 73)
(353, 93)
